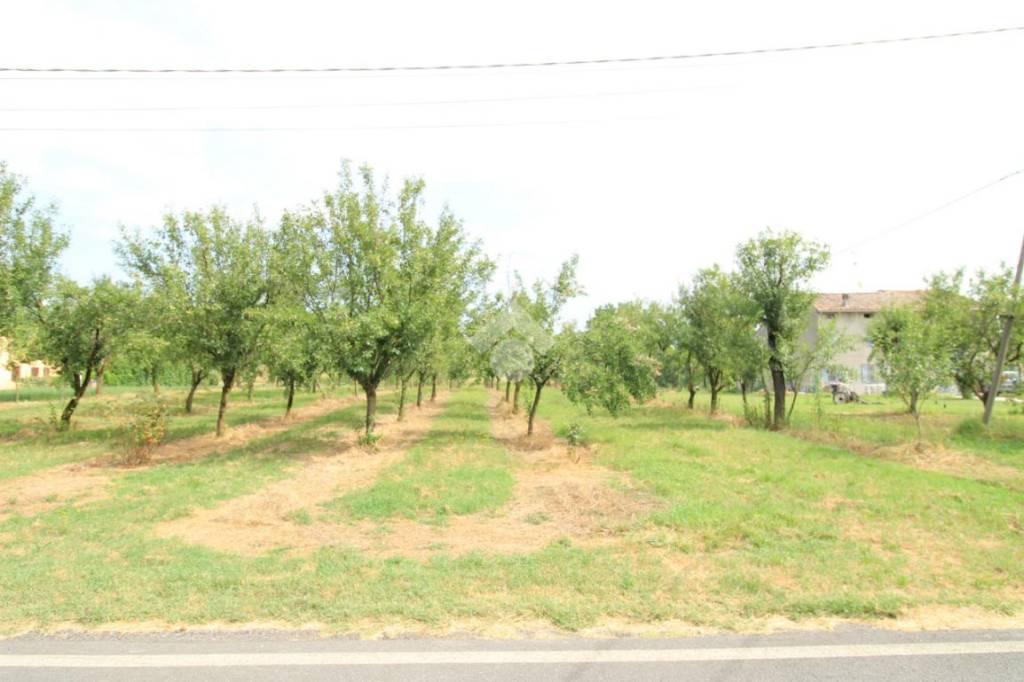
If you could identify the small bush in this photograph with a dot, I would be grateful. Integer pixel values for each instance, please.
(370, 440)
(145, 430)
(971, 428)
(575, 435)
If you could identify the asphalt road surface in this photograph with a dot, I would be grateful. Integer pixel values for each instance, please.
(851, 653)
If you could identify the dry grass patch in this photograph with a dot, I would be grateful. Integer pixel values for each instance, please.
(277, 516)
(84, 482)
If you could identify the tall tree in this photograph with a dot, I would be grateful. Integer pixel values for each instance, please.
(29, 248)
(383, 275)
(213, 271)
(774, 270)
(969, 313)
(719, 321)
(611, 362)
(912, 356)
(79, 327)
(809, 355)
(544, 305)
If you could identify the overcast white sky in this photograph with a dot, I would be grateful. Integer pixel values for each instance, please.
(647, 187)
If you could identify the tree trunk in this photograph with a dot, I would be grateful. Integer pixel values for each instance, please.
(197, 378)
(433, 387)
(99, 379)
(515, 398)
(912, 406)
(778, 383)
(714, 397)
(154, 375)
(79, 386)
(227, 382)
(508, 389)
(419, 389)
(401, 399)
(291, 398)
(371, 408)
(533, 409)
(743, 394)
(792, 404)
(693, 394)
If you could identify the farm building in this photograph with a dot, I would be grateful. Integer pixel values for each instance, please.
(852, 314)
(13, 372)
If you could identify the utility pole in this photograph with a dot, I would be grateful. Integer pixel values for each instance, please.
(1004, 342)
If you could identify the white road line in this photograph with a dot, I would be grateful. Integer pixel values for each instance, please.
(381, 658)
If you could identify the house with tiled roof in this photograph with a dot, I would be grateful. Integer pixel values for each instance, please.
(852, 314)
(13, 371)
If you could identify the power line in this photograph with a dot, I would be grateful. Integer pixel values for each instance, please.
(513, 65)
(930, 212)
(332, 105)
(299, 129)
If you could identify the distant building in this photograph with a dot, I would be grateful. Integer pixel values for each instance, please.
(13, 372)
(852, 314)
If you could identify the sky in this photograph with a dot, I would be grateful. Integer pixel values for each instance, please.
(648, 171)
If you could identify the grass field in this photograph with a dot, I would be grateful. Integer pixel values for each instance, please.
(664, 518)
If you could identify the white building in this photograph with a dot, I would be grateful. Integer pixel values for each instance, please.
(12, 372)
(852, 314)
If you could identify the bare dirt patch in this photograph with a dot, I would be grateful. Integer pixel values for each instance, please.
(267, 519)
(558, 494)
(83, 482)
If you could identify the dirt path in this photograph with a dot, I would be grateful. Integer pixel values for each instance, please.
(265, 519)
(557, 494)
(83, 482)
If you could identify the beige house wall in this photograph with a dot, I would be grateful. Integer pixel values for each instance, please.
(861, 373)
(23, 370)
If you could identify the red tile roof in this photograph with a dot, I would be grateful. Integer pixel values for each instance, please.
(865, 302)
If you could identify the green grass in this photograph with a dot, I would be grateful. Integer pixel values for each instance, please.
(883, 422)
(458, 468)
(782, 525)
(747, 524)
(28, 441)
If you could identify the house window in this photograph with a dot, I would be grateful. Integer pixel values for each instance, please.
(868, 315)
(867, 374)
(35, 371)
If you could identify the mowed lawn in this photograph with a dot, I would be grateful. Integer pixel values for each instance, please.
(742, 526)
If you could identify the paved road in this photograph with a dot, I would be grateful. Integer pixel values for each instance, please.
(851, 653)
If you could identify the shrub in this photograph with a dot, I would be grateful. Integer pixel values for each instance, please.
(145, 430)
(575, 435)
(369, 440)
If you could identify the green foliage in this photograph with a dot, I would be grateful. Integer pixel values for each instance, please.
(386, 284)
(79, 327)
(969, 313)
(912, 355)
(145, 429)
(574, 435)
(720, 324)
(29, 248)
(212, 273)
(611, 361)
(774, 269)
